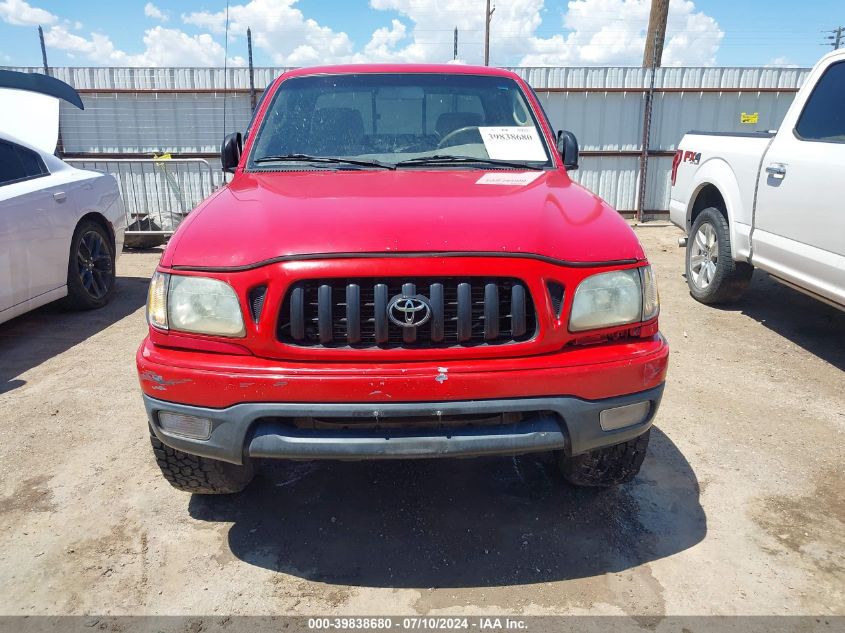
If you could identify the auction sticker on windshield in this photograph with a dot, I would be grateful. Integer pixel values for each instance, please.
(512, 143)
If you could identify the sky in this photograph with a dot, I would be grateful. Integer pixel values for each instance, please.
(309, 32)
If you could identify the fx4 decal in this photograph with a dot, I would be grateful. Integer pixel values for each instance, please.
(683, 156)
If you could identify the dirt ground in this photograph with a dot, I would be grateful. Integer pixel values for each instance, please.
(739, 509)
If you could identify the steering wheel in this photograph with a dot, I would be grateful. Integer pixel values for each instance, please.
(453, 133)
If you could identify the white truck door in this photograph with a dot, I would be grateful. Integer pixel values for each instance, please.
(799, 223)
(30, 199)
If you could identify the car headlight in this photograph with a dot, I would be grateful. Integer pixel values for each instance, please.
(614, 298)
(651, 299)
(194, 304)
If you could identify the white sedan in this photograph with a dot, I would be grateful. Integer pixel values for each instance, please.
(61, 228)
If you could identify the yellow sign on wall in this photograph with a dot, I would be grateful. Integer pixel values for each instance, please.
(749, 117)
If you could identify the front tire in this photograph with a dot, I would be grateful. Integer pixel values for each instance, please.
(713, 276)
(91, 267)
(608, 466)
(200, 475)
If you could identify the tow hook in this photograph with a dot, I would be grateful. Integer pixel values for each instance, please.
(682, 241)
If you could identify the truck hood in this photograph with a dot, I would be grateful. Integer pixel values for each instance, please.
(264, 216)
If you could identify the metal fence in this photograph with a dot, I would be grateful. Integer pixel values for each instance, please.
(157, 192)
(136, 112)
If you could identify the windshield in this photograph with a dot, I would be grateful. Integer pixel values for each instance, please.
(410, 119)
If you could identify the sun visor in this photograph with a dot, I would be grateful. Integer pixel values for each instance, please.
(29, 107)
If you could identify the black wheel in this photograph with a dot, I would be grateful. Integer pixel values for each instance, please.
(91, 270)
(200, 475)
(712, 274)
(606, 467)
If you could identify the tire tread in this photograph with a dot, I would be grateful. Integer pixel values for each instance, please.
(200, 475)
(732, 277)
(77, 298)
(608, 466)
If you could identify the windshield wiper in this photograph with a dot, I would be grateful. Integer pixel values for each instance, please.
(307, 158)
(444, 159)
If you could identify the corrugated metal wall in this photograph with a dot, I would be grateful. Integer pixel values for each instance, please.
(139, 111)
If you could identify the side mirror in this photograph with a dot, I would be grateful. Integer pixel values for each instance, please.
(230, 152)
(567, 145)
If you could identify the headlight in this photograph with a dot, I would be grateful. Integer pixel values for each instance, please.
(651, 299)
(157, 301)
(194, 304)
(615, 298)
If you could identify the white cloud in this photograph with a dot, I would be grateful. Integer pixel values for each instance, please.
(613, 32)
(279, 29)
(21, 13)
(430, 38)
(383, 42)
(588, 32)
(781, 62)
(152, 11)
(172, 47)
(98, 48)
(593, 32)
(163, 47)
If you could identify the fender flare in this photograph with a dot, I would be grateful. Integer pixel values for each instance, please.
(716, 172)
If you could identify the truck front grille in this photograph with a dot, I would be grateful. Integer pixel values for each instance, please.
(450, 312)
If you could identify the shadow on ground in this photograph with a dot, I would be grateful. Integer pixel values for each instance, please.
(457, 523)
(34, 337)
(807, 322)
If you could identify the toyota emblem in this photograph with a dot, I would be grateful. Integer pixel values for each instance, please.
(407, 311)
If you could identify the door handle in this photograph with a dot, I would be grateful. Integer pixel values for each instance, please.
(776, 170)
(59, 196)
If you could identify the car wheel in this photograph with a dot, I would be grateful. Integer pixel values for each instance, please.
(606, 467)
(200, 475)
(712, 274)
(91, 268)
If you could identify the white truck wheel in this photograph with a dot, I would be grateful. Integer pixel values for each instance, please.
(713, 276)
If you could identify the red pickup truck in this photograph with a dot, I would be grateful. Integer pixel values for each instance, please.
(400, 267)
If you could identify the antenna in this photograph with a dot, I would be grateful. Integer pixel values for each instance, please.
(225, 68)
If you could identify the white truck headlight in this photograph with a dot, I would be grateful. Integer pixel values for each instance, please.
(194, 304)
(614, 298)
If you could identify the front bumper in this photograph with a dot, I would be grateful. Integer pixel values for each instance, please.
(249, 399)
(678, 214)
(258, 430)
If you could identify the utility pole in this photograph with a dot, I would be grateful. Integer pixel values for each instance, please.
(455, 54)
(43, 50)
(487, 15)
(652, 58)
(656, 36)
(60, 148)
(837, 38)
(647, 112)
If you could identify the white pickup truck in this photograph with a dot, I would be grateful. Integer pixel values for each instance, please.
(768, 200)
